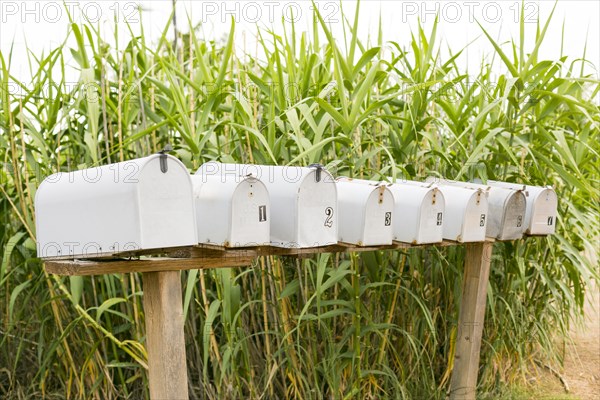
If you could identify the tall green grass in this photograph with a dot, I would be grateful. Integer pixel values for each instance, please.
(375, 325)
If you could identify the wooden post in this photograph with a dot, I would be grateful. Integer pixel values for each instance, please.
(165, 340)
(463, 384)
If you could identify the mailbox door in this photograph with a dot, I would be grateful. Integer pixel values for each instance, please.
(475, 218)
(513, 220)
(543, 212)
(407, 202)
(250, 217)
(166, 205)
(378, 221)
(495, 216)
(463, 220)
(431, 217)
(317, 219)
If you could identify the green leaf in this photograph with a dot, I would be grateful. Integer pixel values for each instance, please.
(13, 298)
(213, 311)
(337, 116)
(76, 285)
(511, 68)
(189, 290)
(106, 305)
(8, 249)
(290, 289)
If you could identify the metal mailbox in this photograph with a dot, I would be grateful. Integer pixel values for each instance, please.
(231, 211)
(140, 204)
(506, 209)
(466, 213)
(419, 210)
(541, 207)
(365, 212)
(304, 211)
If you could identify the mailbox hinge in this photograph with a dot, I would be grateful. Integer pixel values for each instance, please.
(164, 167)
(319, 168)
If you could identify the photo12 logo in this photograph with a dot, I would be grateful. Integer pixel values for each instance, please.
(267, 11)
(59, 11)
(471, 11)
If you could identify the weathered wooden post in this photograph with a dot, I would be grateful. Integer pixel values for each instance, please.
(463, 384)
(165, 341)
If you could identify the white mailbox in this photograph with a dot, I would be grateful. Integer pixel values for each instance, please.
(506, 209)
(466, 213)
(134, 205)
(231, 211)
(419, 210)
(540, 212)
(365, 216)
(304, 209)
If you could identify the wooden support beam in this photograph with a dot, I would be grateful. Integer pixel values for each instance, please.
(208, 250)
(100, 267)
(463, 384)
(198, 257)
(165, 340)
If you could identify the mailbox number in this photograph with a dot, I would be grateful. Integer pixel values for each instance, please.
(262, 213)
(482, 220)
(550, 220)
(439, 219)
(329, 219)
(519, 221)
(388, 218)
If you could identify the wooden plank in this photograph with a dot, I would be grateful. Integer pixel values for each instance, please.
(185, 251)
(203, 257)
(165, 342)
(213, 251)
(123, 254)
(340, 247)
(90, 267)
(463, 384)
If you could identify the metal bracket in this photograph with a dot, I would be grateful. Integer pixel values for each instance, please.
(319, 168)
(164, 167)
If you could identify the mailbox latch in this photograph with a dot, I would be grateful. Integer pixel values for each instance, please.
(319, 168)
(381, 193)
(164, 167)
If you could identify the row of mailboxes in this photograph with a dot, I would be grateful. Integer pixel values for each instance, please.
(154, 203)
(303, 202)
(514, 209)
(541, 206)
(506, 209)
(450, 212)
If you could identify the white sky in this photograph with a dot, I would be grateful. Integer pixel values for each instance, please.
(41, 25)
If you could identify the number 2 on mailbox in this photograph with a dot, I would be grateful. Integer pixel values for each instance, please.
(329, 217)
